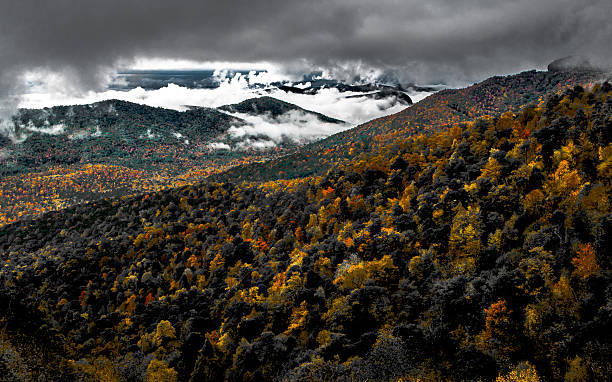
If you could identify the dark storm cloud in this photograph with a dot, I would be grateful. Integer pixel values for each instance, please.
(425, 40)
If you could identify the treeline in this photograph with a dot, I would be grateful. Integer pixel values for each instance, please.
(477, 253)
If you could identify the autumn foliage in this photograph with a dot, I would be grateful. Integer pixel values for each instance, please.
(479, 252)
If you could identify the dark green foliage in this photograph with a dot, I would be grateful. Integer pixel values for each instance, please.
(114, 132)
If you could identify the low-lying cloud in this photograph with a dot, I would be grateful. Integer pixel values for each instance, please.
(46, 129)
(351, 107)
(259, 131)
(294, 126)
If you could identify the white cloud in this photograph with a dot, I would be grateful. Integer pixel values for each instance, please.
(97, 133)
(336, 104)
(47, 129)
(219, 146)
(4, 154)
(81, 134)
(149, 135)
(172, 96)
(295, 126)
(329, 101)
(255, 144)
(6, 127)
(160, 63)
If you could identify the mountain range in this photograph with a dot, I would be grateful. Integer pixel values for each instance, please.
(475, 249)
(114, 148)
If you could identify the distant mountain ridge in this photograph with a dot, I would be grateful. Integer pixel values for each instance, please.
(376, 91)
(274, 107)
(574, 63)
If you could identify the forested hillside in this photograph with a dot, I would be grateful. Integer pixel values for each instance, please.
(481, 252)
(81, 153)
(114, 132)
(436, 112)
(65, 155)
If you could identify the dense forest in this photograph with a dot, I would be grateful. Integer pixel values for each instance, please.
(118, 133)
(135, 136)
(479, 252)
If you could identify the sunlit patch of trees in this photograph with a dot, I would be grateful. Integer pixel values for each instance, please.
(58, 187)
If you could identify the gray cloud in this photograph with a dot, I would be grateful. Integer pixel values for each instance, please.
(437, 40)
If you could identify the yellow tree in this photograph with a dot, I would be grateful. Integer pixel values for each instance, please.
(464, 241)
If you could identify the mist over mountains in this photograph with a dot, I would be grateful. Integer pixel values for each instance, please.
(178, 89)
(289, 111)
(289, 190)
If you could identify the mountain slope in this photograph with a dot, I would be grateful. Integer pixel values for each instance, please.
(114, 132)
(74, 154)
(465, 254)
(124, 117)
(439, 111)
(120, 148)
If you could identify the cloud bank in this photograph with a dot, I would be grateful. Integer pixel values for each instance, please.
(434, 41)
(294, 126)
(260, 131)
(351, 107)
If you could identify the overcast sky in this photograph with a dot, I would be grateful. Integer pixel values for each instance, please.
(452, 41)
